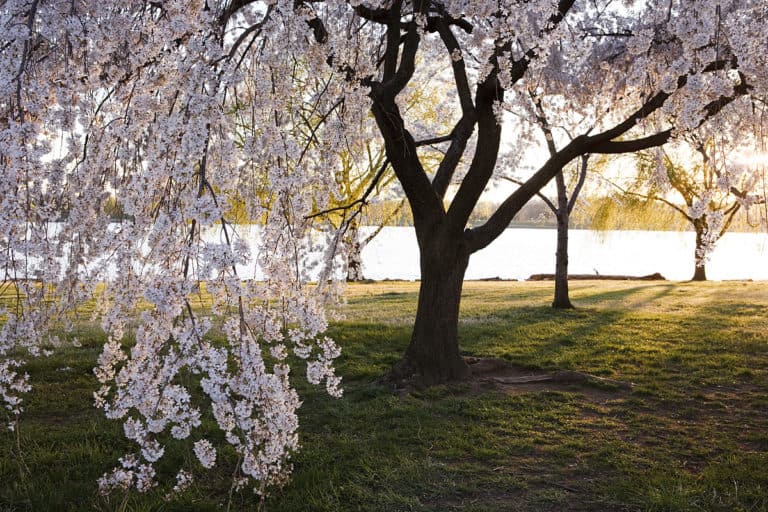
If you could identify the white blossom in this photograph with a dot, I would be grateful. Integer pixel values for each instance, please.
(205, 453)
(173, 112)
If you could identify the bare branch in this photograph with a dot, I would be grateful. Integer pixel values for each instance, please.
(544, 198)
(579, 184)
(362, 200)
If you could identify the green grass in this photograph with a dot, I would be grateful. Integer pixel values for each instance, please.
(691, 435)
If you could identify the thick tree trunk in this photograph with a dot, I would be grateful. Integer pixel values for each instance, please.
(699, 271)
(433, 355)
(562, 299)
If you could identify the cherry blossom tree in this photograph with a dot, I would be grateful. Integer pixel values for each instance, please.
(563, 206)
(650, 56)
(145, 101)
(705, 178)
(170, 105)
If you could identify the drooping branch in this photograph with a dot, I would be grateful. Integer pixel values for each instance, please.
(362, 200)
(650, 197)
(385, 222)
(730, 214)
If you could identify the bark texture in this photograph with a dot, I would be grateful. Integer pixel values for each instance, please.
(433, 354)
(699, 265)
(355, 259)
(562, 299)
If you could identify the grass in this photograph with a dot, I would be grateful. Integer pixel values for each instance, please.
(691, 435)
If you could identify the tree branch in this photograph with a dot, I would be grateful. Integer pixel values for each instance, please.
(632, 146)
(579, 184)
(481, 236)
(544, 198)
(361, 200)
(651, 198)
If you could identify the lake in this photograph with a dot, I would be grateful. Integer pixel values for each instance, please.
(520, 252)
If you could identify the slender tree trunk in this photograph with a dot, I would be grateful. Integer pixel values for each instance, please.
(433, 354)
(562, 299)
(700, 271)
(355, 259)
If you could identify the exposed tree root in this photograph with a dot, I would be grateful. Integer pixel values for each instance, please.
(503, 372)
(404, 378)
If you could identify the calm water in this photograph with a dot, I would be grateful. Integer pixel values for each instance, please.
(518, 253)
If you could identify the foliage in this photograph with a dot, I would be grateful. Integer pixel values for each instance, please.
(701, 179)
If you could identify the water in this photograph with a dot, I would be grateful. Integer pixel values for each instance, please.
(520, 252)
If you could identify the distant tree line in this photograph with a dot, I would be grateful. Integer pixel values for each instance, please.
(604, 212)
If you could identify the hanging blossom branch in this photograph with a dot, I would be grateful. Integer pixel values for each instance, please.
(157, 88)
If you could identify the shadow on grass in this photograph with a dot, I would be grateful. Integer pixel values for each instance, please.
(684, 444)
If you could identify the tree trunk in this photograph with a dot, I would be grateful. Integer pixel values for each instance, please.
(562, 299)
(354, 258)
(433, 354)
(700, 271)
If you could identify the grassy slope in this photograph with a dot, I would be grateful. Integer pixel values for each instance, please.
(692, 435)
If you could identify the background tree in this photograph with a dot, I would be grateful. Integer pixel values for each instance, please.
(563, 206)
(711, 185)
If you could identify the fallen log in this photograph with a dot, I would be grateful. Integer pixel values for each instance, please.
(575, 277)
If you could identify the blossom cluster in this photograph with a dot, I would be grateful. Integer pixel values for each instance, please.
(124, 153)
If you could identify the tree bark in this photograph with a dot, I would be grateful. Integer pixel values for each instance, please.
(562, 299)
(699, 271)
(355, 260)
(433, 355)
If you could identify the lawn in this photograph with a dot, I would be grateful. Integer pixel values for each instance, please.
(692, 433)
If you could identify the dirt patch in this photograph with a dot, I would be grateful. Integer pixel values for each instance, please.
(489, 373)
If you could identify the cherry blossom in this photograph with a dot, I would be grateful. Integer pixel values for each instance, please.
(178, 111)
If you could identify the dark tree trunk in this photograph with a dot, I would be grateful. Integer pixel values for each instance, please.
(562, 299)
(699, 271)
(433, 354)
